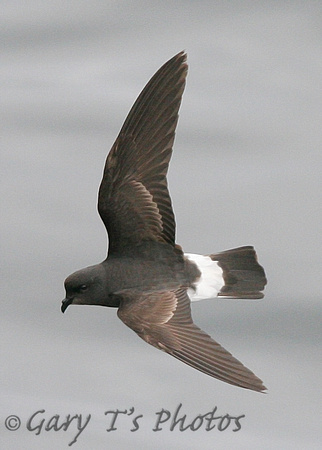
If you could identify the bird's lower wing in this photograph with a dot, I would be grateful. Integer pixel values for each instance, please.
(163, 319)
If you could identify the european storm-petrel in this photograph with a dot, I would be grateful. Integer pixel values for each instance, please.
(146, 275)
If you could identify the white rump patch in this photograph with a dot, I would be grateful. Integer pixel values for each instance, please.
(211, 280)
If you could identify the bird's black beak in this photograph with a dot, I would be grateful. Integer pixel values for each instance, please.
(65, 303)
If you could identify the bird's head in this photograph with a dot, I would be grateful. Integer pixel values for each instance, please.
(85, 287)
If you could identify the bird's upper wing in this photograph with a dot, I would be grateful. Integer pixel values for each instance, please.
(134, 201)
(163, 319)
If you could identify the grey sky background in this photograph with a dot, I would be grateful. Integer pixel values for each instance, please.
(246, 170)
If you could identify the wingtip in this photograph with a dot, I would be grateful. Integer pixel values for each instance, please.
(180, 57)
(183, 54)
(264, 390)
(257, 385)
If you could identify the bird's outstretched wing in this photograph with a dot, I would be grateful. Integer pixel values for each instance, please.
(134, 201)
(163, 319)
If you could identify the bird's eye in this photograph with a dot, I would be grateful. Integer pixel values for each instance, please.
(83, 287)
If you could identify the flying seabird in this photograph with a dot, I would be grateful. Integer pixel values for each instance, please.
(146, 275)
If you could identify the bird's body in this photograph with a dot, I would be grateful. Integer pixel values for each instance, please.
(154, 266)
(146, 275)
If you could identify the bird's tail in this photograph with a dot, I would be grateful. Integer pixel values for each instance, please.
(233, 273)
(243, 276)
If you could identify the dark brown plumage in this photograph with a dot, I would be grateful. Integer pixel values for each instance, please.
(146, 275)
(133, 200)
